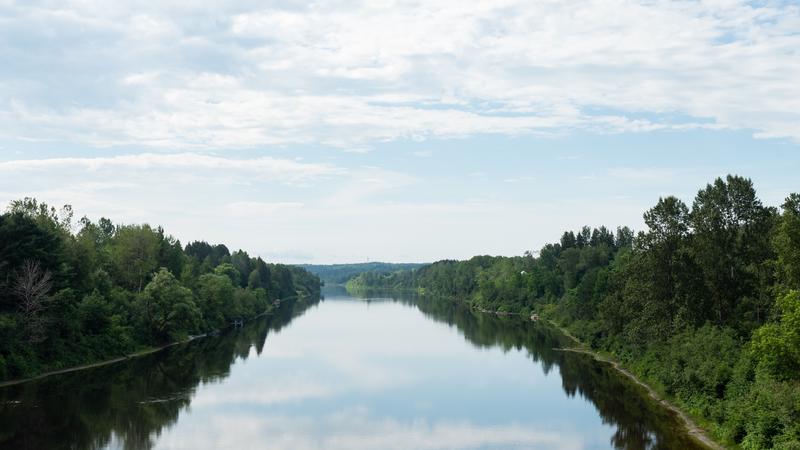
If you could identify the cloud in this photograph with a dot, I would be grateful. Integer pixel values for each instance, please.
(188, 76)
(366, 183)
(282, 209)
(262, 168)
(260, 208)
(189, 188)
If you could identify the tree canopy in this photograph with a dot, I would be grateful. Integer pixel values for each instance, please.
(72, 296)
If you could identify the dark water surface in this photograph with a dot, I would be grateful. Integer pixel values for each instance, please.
(347, 374)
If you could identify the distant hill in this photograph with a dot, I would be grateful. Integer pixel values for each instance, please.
(340, 273)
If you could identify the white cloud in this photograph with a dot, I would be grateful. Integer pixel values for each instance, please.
(194, 189)
(181, 75)
(366, 183)
(262, 168)
(260, 208)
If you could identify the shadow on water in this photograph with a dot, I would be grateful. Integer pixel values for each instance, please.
(128, 404)
(639, 422)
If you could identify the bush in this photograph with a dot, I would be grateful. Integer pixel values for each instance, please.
(771, 412)
(776, 346)
(94, 313)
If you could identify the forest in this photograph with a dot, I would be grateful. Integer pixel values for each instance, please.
(703, 304)
(333, 274)
(77, 293)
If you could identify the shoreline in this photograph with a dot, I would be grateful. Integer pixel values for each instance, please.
(107, 362)
(99, 363)
(697, 433)
(691, 428)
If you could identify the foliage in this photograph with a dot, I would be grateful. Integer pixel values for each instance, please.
(71, 297)
(341, 273)
(689, 303)
(167, 308)
(776, 346)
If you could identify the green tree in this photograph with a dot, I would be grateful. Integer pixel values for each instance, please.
(44, 215)
(134, 252)
(787, 243)
(776, 346)
(95, 313)
(731, 236)
(254, 279)
(228, 270)
(214, 295)
(21, 239)
(667, 291)
(169, 309)
(241, 261)
(170, 253)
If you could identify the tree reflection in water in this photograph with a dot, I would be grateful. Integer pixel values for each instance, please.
(130, 404)
(127, 404)
(639, 422)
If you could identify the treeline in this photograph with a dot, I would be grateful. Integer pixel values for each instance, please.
(704, 304)
(341, 273)
(71, 297)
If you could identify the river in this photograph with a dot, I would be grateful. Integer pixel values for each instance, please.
(347, 373)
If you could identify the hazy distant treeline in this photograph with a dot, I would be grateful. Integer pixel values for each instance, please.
(340, 273)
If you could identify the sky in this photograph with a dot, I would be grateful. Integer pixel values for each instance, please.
(403, 131)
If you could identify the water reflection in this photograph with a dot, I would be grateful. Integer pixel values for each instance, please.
(351, 374)
(639, 422)
(126, 405)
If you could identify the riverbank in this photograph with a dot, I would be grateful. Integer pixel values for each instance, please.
(691, 427)
(689, 424)
(127, 357)
(140, 353)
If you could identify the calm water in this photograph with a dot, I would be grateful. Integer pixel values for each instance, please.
(347, 374)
